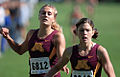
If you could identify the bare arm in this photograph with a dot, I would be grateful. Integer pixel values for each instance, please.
(59, 42)
(61, 63)
(106, 63)
(18, 48)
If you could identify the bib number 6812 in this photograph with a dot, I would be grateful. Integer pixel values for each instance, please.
(39, 65)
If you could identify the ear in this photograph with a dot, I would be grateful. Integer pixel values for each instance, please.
(75, 31)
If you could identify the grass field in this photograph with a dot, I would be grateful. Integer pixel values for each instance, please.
(106, 19)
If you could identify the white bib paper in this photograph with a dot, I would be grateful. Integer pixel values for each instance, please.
(39, 65)
(82, 73)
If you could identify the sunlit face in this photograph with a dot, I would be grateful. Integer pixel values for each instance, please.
(85, 32)
(47, 15)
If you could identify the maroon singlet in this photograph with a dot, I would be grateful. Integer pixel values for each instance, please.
(85, 65)
(39, 48)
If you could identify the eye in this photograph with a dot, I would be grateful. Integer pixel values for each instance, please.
(43, 13)
(82, 30)
(49, 13)
(87, 30)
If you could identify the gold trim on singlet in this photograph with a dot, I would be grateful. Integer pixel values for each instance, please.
(97, 68)
(52, 53)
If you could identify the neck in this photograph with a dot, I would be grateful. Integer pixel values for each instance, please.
(44, 31)
(86, 46)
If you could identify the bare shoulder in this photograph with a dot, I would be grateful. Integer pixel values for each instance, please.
(101, 49)
(102, 52)
(59, 38)
(30, 33)
(59, 35)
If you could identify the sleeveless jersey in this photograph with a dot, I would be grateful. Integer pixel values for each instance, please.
(85, 66)
(42, 55)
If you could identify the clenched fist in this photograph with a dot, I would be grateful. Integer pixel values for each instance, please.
(4, 32)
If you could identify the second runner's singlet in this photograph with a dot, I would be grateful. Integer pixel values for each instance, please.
(85, 66)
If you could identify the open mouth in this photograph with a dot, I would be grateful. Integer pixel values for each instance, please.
(45, 20)
(84, 38)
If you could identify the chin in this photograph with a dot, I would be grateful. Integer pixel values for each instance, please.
(85, 41)
(45, 23)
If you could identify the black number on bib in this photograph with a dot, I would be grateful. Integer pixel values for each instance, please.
(88, 76)
(37, 65)
(33, 66)
(41, 65)
(46, 65)
(79, 76)
(75, 76)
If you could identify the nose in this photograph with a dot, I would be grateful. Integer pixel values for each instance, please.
(85, 32)
(46, 14)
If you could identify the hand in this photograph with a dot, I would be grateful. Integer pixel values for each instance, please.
(4, 32)
(65, 69)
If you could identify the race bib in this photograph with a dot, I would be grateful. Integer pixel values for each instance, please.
(39, 65)
(82, 73)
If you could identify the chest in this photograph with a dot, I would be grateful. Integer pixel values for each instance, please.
(41, 45)
(86, 62)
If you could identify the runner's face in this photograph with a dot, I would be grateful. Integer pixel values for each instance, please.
(47, 16)
(85, 32)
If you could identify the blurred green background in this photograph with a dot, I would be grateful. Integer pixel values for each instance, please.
(106, 20)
